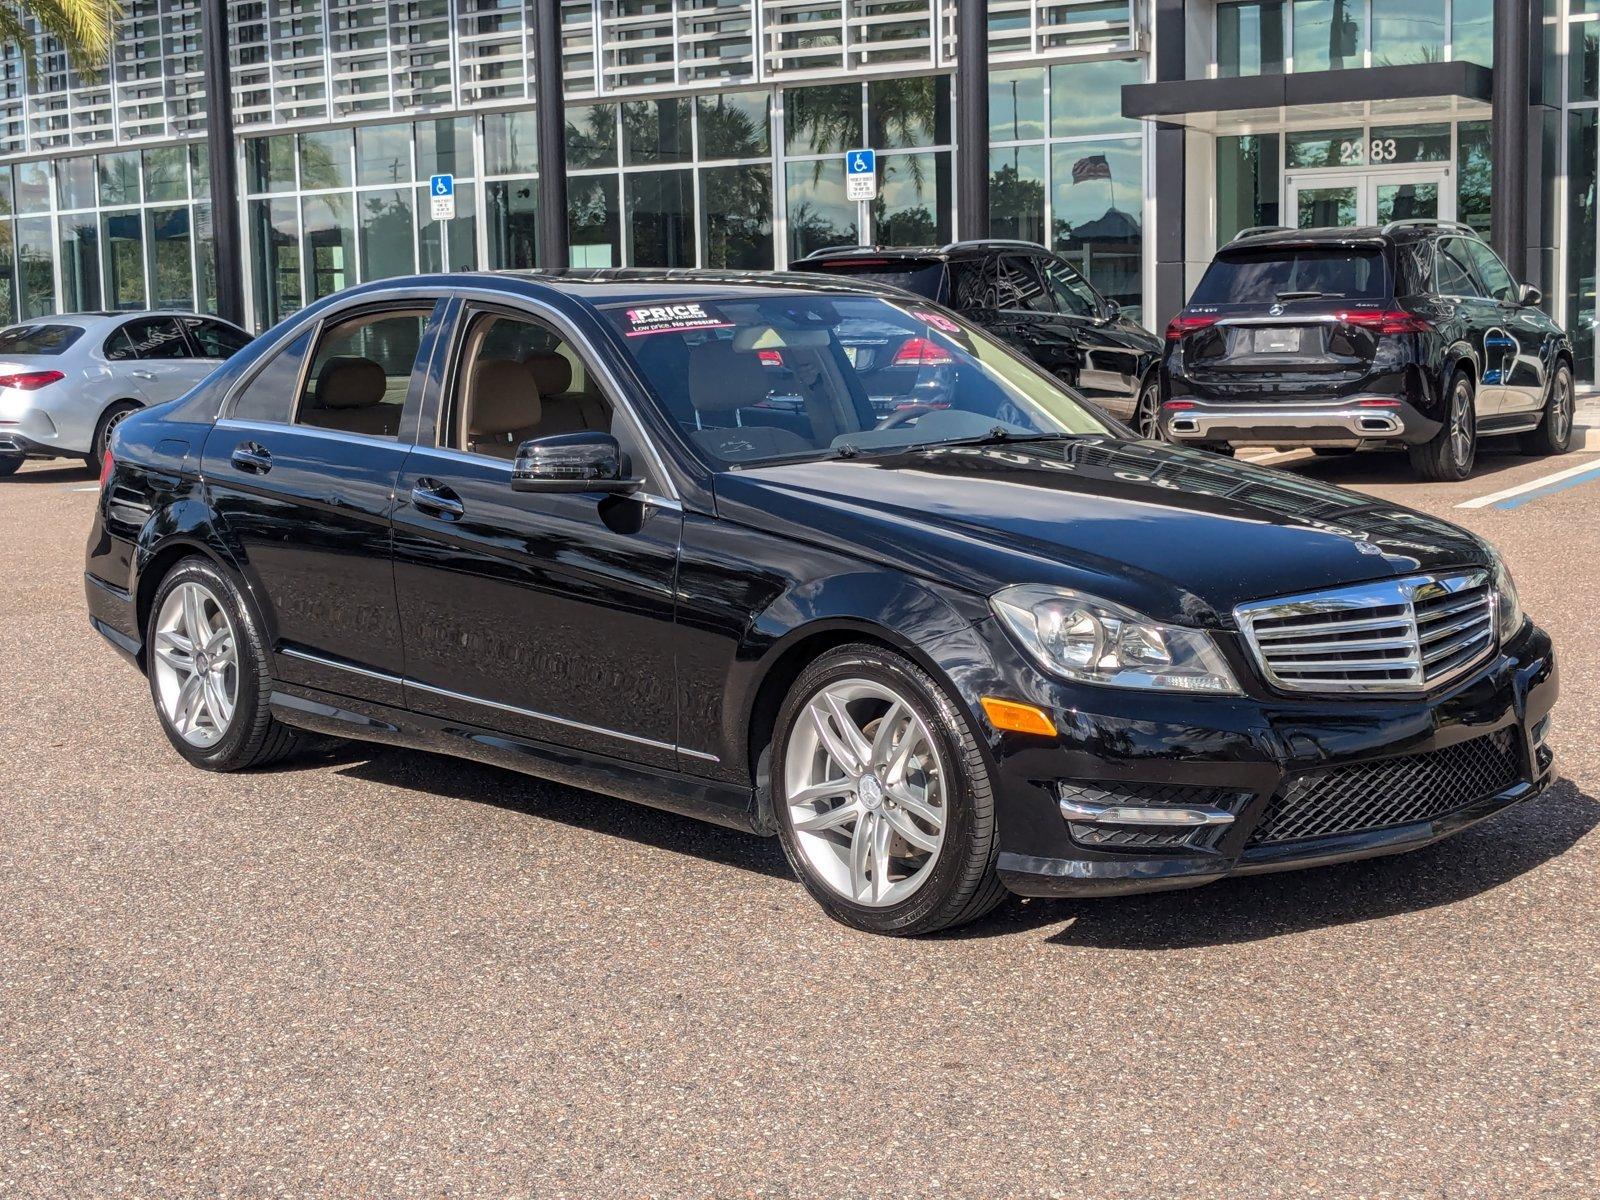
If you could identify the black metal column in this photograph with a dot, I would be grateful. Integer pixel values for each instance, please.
(972, 118)
(227, 235)
(1508, 135)
(1167, 151)
(553, 248)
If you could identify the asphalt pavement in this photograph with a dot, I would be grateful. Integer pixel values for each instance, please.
(384, 973)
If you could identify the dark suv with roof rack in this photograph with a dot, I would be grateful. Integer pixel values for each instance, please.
(1413, 334)
(1030, 298)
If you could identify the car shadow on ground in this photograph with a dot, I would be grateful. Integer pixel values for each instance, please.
(57, 471)
(1253, 908)
(1387, 467)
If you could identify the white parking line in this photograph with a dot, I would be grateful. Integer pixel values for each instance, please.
(1532, 485)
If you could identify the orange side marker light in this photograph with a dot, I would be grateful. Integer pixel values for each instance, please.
(1013, 717)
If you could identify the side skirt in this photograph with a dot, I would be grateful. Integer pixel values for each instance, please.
(342, 716)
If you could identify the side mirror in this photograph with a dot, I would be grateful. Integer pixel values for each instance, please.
(1529, 296)
(573, 462)
(1110, 310)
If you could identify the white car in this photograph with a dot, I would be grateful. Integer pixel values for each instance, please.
(66, 381)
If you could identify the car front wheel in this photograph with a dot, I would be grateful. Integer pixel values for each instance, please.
(1448, 456)
(884, 804)
(207, 669)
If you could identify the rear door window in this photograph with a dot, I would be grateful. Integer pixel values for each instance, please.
(1294, 273)
(148, 338)
(1009, 283)
(213, 339)
(269, 396)
(38, 339)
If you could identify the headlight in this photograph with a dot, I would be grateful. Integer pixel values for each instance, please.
(1509, 618)
(1094, 641)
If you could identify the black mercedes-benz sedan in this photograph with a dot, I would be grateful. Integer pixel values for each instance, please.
(649, 534)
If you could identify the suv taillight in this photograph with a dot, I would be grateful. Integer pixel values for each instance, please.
(920, 352)
(1389, 321)
(30, 381)
(1187, 323)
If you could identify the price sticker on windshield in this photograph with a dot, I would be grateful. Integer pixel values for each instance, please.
(936, 320)
(671, 318)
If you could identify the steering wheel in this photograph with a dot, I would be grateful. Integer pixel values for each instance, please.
(909, 413)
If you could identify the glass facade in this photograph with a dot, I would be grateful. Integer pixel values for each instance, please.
(1266, 37)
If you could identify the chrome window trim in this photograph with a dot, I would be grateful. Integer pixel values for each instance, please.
(406, 681)
(332, 435)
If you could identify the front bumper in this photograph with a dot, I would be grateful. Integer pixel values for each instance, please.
(1250, 760)
(1349, 423)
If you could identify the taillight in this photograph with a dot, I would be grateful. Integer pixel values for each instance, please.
(920, 352)
(30, 381)
(770, 358)
(1187, 323)
(105, 468)
(1387, 321)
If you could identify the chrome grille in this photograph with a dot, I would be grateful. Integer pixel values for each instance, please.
(1400, 635)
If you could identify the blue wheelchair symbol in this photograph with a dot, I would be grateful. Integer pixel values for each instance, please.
(861, 162)
(442, 185)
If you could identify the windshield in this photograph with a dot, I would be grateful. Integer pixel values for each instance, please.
(38, 339)
(752, 379)
(1263, 276)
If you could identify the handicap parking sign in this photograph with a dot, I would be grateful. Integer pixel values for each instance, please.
(442, 196)
(861, 175)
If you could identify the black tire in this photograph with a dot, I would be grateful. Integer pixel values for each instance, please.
(10, 464)
(1332, 451)
(1554, 434)
(1221, 449)
(962, 884)
(1147, 409)
(1449, 455)
(109, 419)
(254, 737)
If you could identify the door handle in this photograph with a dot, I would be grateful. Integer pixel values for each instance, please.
(252, 457)
(143, 374)
(431, 496)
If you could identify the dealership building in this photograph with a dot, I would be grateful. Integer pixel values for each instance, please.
(1133, 136)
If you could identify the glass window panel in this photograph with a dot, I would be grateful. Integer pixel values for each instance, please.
(80, 263)
(736, 125)
(1472, 31)
(1249, 39)
(1016, 193)
(1327, 148)
(510, 143)
(656, 131)
(270, 396)
(123, 236)
(1407, 31)
(1472, 175)
(1248, 179)
(78, 182)
(33, 188)
(1016, 105)
(1319, 207)
(172, 278)
(36, 258)
(200, 170)
(1408, 144)
(907, 113)
(330, 245)
(736, 227)
(6, 207)
(325, 159)
(149, 338)
(1583, 62)
(1407, 202)
(166, 173)
(594, 221)
(461, 234)
(8, 273)
(819, 214)
(275, 246)
(1329, 34)
(390, 339)
(1086, 98)
(1098, 214)
(205, 256)
(119, 178)
(822, 120)
(386, 224)
(444, 147)
(269, 164)
(383, 154)
(661, 218)
(592, 135)
(512, 226)
(914, 200)
(1581, 220)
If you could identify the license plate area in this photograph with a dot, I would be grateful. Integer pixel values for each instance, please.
(1269, 340)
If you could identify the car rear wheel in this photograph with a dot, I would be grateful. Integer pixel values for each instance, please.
(109, 420)
(10, 464)
(884, 804)
(207, 670)
(1448, 456)
(1554, 435)
(1147, 413)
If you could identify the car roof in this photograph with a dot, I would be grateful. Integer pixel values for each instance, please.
(93, 320)
(972, 248)
(1266, 237)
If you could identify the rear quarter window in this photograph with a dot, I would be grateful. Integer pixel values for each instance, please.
(38, 339)
(1266, 275)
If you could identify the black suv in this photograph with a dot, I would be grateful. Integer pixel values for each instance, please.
(1413, 334)
(1033, 299)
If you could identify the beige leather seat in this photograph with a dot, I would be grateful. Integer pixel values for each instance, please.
(348, 396)
(723, 380)
(565, 411)
(505, 407)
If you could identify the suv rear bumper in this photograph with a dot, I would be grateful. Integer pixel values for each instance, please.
(1347, 423)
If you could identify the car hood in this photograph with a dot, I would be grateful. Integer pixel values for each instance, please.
(1180, 535)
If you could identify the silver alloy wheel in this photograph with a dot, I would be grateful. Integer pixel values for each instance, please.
(1460, 427)
(116, 418)
(196, 664)
(866, 792)
(1561, 410)
(1146, 418)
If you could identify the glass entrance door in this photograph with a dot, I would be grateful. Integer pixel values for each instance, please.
(1321, 198)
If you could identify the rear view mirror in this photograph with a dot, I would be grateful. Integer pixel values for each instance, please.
(587, 461)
